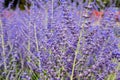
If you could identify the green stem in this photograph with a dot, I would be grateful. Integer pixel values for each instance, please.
(3, 47)
(76, 52)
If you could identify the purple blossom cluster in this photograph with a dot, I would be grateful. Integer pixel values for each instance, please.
(59, 42)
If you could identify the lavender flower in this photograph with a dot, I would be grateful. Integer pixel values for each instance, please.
(54, 42)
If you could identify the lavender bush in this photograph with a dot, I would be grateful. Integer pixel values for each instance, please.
(59, 40)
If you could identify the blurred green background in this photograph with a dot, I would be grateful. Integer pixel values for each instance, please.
(17, 3)
(25, 3)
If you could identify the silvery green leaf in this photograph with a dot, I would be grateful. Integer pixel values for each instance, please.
(117, 31)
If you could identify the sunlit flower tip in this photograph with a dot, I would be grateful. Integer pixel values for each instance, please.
(94, 66)
(86, 15)
(80, 74)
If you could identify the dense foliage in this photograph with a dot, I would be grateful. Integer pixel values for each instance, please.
(60, 41)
